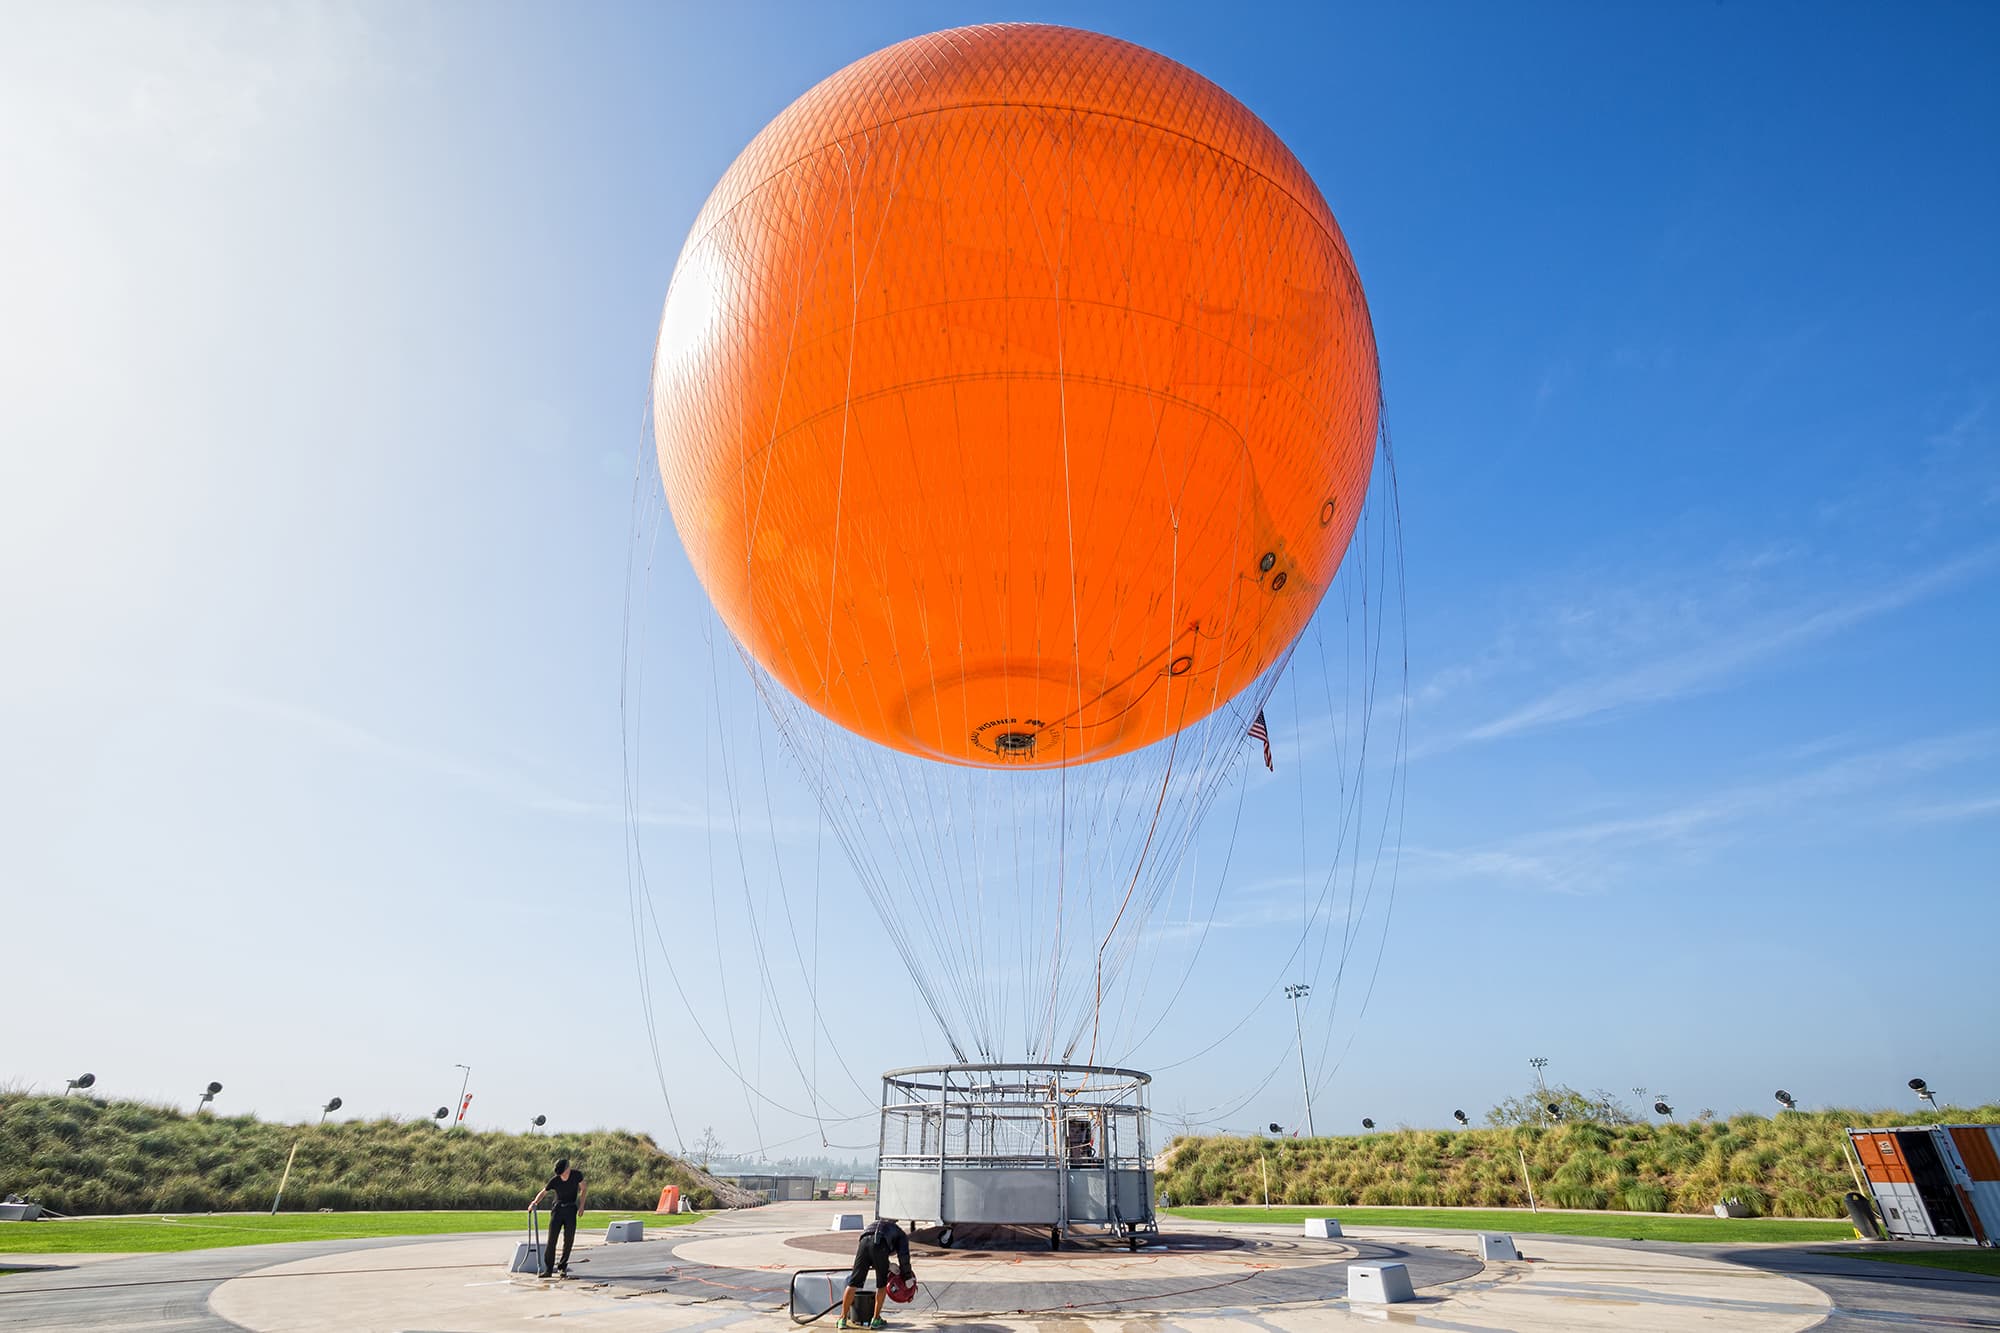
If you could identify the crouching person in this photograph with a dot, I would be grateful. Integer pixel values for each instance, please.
(872, 1253)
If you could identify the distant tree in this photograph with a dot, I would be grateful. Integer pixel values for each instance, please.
(707, 1146)
(1597, 1107)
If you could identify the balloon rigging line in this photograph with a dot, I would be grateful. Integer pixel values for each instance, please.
(756, 931)
(639, 891)
(628, 766)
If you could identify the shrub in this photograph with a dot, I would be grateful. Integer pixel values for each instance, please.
(1645, 1197)
(84, 1156)
(1794, 1165)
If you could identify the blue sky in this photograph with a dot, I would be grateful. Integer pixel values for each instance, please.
(324, 336)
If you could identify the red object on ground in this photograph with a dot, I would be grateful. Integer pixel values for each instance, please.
(901, 1290)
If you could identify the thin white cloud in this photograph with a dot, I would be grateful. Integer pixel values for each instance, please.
(1709, 665)
(1586, 857)
(494, 780)
(1979, 807)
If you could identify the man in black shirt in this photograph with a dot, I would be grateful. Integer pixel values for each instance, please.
(877, 1243)
(568, 1187)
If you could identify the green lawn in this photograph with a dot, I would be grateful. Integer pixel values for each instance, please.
(1619, 1226)
(204, 1231)
(1968, 1260)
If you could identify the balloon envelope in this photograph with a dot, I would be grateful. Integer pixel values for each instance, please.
(1015, 397)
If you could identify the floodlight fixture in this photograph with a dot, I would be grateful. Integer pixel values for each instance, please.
(83, 1081)
(439, 1114)
(1661, 1108)
(328, 1109)
(1555, 1110)
(207, 1096)
(537, 1123)
(1924, 1093)
(1277, 1128)
(1366, 1123)
(1786, 1100)
(1295, 992)
(1459, 1116)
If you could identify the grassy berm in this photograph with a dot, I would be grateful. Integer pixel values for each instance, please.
(79, 1155)
(1790, 1165)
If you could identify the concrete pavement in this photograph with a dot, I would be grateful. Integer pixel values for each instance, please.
(732, 1271)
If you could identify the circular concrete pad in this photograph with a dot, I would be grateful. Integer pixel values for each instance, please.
(733, 1271)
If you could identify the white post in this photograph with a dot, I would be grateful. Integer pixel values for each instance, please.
(1528, 1180)
(284, 1178)
(1267, 1179)
(1295, 994)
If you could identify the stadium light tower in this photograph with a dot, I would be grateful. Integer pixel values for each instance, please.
(1924, 1093)
(328, 1109)
(83, 1081)
(1295, 993)
(207, 1096)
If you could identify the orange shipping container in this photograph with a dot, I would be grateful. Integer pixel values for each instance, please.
(1879, 1159)
(1975, 1145)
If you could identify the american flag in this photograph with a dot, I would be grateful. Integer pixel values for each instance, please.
(1258, 731)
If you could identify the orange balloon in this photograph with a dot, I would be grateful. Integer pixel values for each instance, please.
(1015, 396)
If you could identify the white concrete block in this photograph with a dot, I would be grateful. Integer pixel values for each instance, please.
(1322, 1228)
(1379, 1284)
(620, 1232)
(846, 1222)
(1494, 1247)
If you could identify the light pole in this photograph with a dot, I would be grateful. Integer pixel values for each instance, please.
(328, 1109)
(1924, 1093)
(83, 1081)
(537, 1123)
(1539, 1063)
(1295, 993)
(463, 1084)
(207, 1096)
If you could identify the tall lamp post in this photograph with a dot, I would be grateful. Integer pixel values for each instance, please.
(463, 1084)
(1539, 1063)
(1295, 993)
